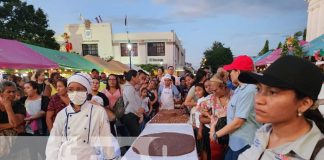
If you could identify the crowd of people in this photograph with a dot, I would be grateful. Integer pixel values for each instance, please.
(235, 113)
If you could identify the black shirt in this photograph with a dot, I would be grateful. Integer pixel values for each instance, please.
(103, 96)
(17, 107)
(41, 87)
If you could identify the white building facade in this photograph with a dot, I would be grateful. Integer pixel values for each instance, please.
(161, 48)
(315, 22)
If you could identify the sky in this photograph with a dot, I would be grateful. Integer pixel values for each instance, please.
(242, 25)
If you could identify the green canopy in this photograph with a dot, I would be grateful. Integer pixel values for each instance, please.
(66, 60)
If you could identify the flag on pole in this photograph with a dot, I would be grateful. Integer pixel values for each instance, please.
(126, 20)
(100, 19)
(81, 18)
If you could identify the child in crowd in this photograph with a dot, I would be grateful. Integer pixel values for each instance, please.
(200, 93)
(204, 105)
(145, 103)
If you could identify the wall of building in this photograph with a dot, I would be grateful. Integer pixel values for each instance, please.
(174, 56)
(100, 34)
(315, 22)
(109, 44)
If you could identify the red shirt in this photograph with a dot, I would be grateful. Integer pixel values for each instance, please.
(56, 104)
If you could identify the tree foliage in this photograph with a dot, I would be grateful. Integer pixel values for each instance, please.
(217, 55)
(285, 50)
(22, 22)
(149, 67)
(265, 48)
(279, 45)
(292, 47)
(298, 34)
(108, 59)
(304, 34)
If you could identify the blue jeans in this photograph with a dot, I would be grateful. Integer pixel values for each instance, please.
(233, 155)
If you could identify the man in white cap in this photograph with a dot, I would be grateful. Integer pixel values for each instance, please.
(81, 130)
(168, 93)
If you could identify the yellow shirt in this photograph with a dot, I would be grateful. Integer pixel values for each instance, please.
(102, 86)
(54, 90)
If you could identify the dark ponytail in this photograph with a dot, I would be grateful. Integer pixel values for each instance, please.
(312, 114)
(199, 76)
(316, 116)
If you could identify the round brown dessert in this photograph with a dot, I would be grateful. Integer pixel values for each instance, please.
(170, 116)
(164, 144)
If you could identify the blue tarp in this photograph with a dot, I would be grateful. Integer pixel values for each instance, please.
(314, 45)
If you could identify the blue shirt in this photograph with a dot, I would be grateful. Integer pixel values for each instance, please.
(241, 106)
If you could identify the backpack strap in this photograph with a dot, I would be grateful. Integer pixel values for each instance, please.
(318, 147)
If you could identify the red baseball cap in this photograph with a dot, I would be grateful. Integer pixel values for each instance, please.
(242, 63)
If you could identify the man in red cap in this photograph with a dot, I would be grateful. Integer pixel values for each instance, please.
(241, 124)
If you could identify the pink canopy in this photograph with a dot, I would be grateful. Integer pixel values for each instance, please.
(302, 42)
(270, 58)
(15, 55)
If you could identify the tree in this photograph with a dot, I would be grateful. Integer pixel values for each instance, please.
(149, 67)
(217, 55)
(304, 34)
(22, 22)
(108, 59)
(265, 48)
(279, 45)
(298, 34)
(292, 47)
(285, 50)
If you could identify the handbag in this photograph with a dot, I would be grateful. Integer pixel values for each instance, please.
(221, 122)
(119, 107)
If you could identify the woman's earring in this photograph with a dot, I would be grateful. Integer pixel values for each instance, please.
(300, 114)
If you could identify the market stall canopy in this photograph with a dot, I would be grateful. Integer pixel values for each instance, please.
(66, 60)
(124, 66)
(15, 55)
(313, 46)
(270, 58)
(258, 58)
(137, 68)
(109, 67)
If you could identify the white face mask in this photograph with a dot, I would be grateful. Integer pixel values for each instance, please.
(77, 98)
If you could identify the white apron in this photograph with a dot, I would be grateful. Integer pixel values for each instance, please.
(167, 101)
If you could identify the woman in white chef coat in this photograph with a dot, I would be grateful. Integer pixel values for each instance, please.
(81, 130)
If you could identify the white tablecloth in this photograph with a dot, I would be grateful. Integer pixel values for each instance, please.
(159, 128)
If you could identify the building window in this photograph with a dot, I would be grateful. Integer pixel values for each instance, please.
(156, 49)
(124, 49)
(90, 49)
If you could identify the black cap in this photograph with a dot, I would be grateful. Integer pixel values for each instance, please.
(289, 72)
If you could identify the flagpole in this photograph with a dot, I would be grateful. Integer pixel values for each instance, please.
(129, 45)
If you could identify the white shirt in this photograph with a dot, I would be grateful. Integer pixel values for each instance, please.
(81, 135)
(145, 103)
(132, 100)
(321, 96)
